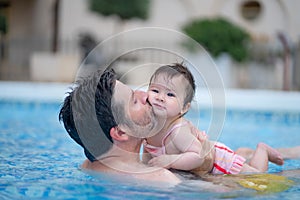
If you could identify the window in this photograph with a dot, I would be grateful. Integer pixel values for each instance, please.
(251, 10)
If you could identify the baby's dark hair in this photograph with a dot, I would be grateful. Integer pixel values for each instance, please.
(177, 69)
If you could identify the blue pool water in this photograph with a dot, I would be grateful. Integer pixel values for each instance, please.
(38, 160)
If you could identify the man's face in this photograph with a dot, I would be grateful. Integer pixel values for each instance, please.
(137, 109)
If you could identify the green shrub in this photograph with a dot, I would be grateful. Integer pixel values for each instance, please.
(124, 9)
(219, 36)
(3, 24)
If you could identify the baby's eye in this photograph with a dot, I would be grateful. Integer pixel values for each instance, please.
(171, 94)
(154, 90)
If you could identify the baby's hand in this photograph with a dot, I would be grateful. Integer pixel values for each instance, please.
(201, 135)
(164, 161)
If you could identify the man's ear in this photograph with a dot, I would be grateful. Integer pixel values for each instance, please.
(185, 108)
(118, 134)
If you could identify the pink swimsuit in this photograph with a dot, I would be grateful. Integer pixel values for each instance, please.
(158, 151)
(226, 161)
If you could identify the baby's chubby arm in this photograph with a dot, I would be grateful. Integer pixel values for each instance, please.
(184, 161)
(184, 153)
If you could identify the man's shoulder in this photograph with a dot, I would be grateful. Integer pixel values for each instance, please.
(141, 172)
(161, 175)
(85, 164)
(95, 166)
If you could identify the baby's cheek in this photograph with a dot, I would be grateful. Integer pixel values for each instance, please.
(150, 97)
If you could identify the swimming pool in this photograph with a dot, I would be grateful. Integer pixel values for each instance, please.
(40, 161)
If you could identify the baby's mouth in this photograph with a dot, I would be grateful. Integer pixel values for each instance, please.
(158, 106)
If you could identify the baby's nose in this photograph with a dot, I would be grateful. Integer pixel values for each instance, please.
(161, 97)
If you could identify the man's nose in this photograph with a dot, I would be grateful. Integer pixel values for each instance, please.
(142, 96)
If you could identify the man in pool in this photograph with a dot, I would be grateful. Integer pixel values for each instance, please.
(109, 120)
(111, 138)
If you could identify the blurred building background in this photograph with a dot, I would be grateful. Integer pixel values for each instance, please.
(46, 40)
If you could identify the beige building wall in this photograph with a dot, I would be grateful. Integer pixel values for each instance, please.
(31, 30)
(276, 15)
(30, 19)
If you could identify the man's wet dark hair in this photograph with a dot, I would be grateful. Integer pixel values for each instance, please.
(86, 113)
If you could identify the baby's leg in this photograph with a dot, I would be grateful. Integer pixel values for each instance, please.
(249, 169)
(247, 153)
(286, 153)
(262, 155)
(290, 152)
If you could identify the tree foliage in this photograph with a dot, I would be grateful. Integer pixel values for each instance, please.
(3, 24)
(125, 9)
(219, 36)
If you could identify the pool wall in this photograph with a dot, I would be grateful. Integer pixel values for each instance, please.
(234, 98)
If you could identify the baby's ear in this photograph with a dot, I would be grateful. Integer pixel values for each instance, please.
(185, 108)
(117, 133)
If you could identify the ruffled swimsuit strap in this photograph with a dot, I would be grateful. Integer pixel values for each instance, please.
(169, 133)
